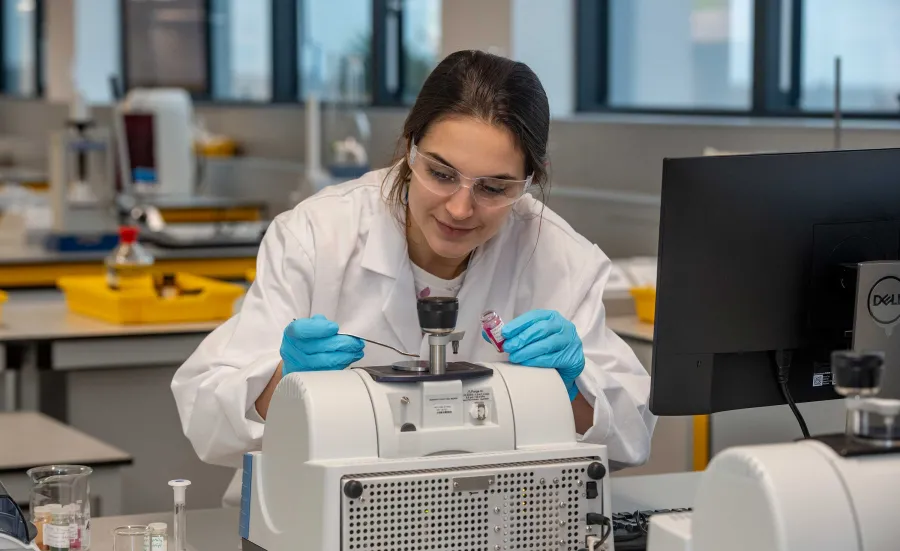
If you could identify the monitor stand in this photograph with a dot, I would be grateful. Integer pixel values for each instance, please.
(876, 320)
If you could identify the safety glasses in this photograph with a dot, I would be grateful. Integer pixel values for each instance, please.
(444, 180)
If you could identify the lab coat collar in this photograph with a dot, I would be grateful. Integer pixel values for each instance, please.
(385, 251)
(386, 254)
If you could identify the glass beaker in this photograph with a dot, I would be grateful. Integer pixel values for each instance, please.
(65, 487)
(131, 538)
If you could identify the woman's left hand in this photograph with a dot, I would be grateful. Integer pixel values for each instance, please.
(544, 338)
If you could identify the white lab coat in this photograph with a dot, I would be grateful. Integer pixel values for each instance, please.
(341, 253)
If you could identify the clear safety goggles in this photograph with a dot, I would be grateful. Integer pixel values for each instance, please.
(444, 180)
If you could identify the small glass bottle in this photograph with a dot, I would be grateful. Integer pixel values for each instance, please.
(56, 534)
(40, 519)
(74, 512)
(128, 266)
(158, 537)
(169, 286)
(493, 326)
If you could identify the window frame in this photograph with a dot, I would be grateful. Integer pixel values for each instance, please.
(769, 53)
(206, 95)
(387, 54)
(38, 51)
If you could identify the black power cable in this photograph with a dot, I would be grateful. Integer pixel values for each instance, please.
(783, 364)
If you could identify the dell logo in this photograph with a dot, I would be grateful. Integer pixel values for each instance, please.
(889, 300)
(884, 300)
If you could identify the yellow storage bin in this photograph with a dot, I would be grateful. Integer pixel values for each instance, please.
(251, 276)
(645, 303)
(2, 300)
(205, 300)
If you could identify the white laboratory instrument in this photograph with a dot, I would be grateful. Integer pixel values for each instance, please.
(167, 154)
(838, 491)
(424, 455)
(82, 181)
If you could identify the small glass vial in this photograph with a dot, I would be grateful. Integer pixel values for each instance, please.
(169, 287)
(74, 512)
(493, 325)
(56, 534)
(158, 537)
(41, 518)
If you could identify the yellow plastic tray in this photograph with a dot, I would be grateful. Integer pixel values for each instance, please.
(251, 275)
(90, 296)
(2, 300)
(645, 303)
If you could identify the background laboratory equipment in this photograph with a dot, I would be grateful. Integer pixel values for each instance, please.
(179, 488)
(347, 128)
(128, 266)
(131, 538)
(157, 139)
(82, 188)
(63, 492)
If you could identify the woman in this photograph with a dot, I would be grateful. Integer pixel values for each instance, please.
(450, 218)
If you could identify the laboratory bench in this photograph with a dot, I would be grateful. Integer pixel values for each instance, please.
(33, 266)
(30, 439)
(110, 381)
(217, 529)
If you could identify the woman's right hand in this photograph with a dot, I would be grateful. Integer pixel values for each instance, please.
(313, 344)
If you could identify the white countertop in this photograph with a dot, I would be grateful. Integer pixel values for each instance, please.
(207, 529)
(25, 439)
(13, 255)
(630, 327)
(51, 319)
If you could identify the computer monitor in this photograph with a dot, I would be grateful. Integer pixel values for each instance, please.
(757, 256)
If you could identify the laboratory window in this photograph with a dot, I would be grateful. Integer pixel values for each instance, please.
(680, 54)
(166, 45)
(864, 33)
(341, 45)
(241, 52)
(20, 47)
(421, 44)
(335, 49)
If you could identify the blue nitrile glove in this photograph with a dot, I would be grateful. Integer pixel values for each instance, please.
(312, 344)
(543, 338)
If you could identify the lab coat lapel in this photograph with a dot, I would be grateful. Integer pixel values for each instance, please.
(387, 255)
(473, 296)
(400, 309)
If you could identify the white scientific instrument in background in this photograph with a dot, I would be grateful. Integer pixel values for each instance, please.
(158, 126)
(425, 455)
(838, 491)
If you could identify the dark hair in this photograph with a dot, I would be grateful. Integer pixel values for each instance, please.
(488, 87)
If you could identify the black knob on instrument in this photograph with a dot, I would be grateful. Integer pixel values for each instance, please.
(596, 470)
(353, 489)
(438, 314)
